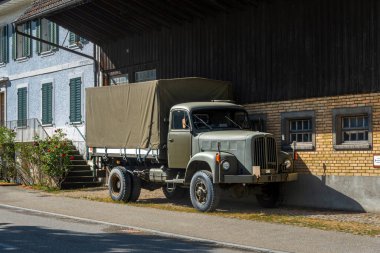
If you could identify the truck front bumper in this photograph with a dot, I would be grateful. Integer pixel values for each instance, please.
(251, 179)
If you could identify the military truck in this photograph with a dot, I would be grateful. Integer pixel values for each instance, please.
(181, 135)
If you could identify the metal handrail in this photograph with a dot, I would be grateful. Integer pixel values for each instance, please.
(26, 130)
(87, 154)
(80, 133)
(43, 128)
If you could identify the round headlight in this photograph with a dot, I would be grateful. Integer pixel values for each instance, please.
(226, 165)
(287, 163)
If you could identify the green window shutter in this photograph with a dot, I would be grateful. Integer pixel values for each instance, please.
(21, 106)
(54, 30)
(71, 38)
(47, 103)
(6, 44)
(14, 43)
(27, 42)
(38, 31)
(75, 100)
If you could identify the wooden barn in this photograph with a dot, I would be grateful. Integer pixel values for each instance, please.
(307, 71)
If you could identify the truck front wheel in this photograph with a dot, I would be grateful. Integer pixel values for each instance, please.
(269, 196)
(204, 194)
(120, 184)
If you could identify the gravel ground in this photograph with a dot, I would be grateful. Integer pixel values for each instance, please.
(228, 205)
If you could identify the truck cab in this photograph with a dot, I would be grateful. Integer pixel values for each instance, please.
(216, 137)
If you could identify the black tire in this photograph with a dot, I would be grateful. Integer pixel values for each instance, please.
(136, 188)
(120, 184)
(204, 194)
(269, 196)
(174, 194)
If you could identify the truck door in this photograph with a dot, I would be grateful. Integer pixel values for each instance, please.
(179, 139)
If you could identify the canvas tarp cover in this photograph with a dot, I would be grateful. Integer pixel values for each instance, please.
(132, 115)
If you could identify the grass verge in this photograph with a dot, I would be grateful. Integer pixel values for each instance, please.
(297, 220)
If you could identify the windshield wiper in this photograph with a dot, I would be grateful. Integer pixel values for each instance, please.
(233, 122)
(201, 120)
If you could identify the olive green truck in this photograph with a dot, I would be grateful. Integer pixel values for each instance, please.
(181, 135)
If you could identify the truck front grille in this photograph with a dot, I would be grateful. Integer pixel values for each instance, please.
(265, 153)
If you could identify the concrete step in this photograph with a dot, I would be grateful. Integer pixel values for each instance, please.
(78, 162)
(74, 152)
(80, 173)
(73, 167)
(77, 185)
(77, 157)
(71, 179)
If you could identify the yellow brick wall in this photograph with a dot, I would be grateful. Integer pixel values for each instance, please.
(324, 160)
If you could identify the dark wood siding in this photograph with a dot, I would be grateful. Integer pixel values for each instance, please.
(276, 50)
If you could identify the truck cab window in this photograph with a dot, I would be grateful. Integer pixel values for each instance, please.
(220, 119)
(180, 120)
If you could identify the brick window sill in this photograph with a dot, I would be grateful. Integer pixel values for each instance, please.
(299, 147)
(353, 146)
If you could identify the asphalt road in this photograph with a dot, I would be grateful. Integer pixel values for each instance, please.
(159, 226)
(25, 231)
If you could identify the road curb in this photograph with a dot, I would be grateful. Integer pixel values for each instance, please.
(152, 231)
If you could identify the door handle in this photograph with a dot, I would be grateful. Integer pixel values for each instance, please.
(171, 140)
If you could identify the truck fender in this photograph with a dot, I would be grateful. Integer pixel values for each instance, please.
(207, 161)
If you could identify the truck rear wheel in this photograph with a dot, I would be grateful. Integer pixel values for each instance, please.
(136, 188)
(175, 193)
(204, 194)
(120, 184)
(269, 196)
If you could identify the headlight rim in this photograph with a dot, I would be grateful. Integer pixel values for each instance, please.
(225, 163)
(288, 163)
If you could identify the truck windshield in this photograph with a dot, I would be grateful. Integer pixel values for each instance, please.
(220, 119)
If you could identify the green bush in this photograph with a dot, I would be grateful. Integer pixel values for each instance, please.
(52, 156)
(7, 154)
(44, 162)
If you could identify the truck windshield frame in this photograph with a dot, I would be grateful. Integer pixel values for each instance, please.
(219, 119)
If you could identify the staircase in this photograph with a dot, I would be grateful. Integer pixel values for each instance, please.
(80, 174)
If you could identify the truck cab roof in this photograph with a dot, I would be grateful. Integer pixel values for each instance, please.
(206, 105)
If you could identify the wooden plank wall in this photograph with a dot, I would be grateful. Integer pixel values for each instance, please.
(276, 50)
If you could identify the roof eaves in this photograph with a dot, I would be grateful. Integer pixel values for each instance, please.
(44, 8)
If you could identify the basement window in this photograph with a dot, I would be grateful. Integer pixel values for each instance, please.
(119, 79)
(352, 128)
(298, 130)
(145, 75)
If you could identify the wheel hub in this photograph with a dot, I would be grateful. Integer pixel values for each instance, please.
(115, 184)
(201, 191)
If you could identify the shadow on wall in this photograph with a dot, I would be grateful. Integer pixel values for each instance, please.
(347, 193)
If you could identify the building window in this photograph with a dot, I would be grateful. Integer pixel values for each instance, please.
(75, 100)
(48, 31)
(146, 75)
(352, 128)
(47, 103)
(75, 40)
(298, 130)
(4, 44)
(258, 122)
(22, 107)
(119, 79)
(22, 45)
